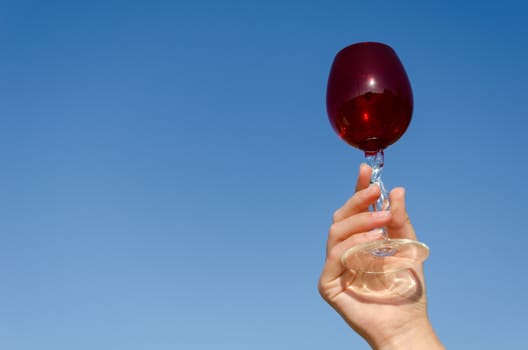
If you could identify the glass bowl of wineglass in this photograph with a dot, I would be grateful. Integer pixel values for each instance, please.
(370, 103)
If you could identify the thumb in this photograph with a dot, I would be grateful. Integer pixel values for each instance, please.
(400, 225)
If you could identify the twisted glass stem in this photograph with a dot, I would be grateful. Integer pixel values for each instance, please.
(376, 161)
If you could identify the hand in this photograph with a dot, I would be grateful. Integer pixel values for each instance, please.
(399, 321)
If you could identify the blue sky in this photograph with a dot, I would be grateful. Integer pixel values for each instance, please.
(168, 171)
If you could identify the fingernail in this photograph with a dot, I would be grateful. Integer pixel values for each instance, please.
(374, 233)
(381, 214)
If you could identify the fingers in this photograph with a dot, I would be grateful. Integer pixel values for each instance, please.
(357, 223)
(363, 179)
(357, 202)
(354, 224)
(333, 267)
(399, 225)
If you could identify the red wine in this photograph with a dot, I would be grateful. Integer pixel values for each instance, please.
(372, 121)
(369, 97)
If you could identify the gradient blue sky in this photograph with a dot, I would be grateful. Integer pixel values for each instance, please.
(168, 172)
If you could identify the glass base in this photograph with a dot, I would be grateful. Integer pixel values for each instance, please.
(385, 256)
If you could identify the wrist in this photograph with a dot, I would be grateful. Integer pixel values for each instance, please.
(416, 336)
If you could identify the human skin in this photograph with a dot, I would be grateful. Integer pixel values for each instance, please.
(384, 325)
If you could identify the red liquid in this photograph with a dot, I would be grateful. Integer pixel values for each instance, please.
(372, 121)
(369, 97)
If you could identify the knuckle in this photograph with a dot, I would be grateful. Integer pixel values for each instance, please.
(336, 216)
(334, 254)
(323, 291)
(333, 232)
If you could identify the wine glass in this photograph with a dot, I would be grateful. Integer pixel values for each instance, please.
(369, 103)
